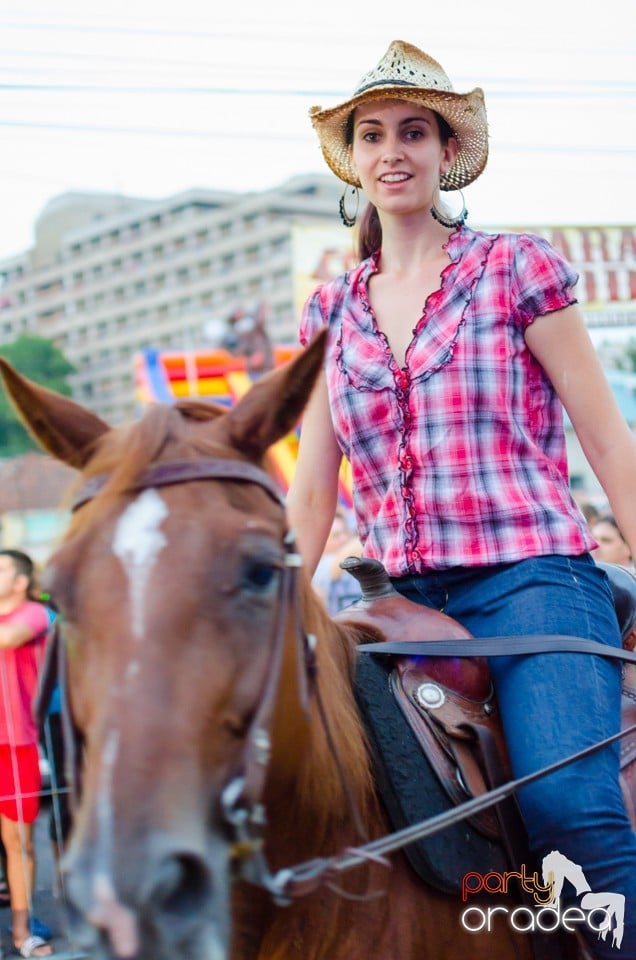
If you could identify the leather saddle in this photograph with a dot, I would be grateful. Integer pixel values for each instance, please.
(449, 702)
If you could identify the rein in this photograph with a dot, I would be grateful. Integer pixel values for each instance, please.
(499, 647)
(288, 884)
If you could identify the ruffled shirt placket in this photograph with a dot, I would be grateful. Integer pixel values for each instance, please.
(403, 385)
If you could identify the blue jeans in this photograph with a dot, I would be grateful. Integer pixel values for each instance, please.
(553, 705)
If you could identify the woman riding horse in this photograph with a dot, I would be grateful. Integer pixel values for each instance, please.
(450, 354)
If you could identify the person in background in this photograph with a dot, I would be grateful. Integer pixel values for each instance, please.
(52, 742)
(612, 546)
(247, 336)
(450, 355)
(589, 511)
(23, 628)
(336, 588)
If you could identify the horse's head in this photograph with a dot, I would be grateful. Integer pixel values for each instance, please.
(170, 601)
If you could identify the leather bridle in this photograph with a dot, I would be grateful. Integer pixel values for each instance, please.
(242, 798)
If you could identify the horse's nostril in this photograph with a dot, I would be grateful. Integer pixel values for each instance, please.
(183, 884)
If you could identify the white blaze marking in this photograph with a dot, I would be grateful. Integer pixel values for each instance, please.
(106, 911)
(137, 542)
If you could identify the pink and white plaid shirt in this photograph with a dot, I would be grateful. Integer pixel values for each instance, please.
(458, 458)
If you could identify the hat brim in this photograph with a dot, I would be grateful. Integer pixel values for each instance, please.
(465, 113)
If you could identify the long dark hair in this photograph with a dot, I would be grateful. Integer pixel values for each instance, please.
(369, 229)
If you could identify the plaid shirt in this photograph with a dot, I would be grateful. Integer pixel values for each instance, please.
(458, 458)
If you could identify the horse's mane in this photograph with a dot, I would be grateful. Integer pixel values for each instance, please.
(163, 431)
(318, 787)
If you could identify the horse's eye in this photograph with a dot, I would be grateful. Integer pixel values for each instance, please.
(260, 576)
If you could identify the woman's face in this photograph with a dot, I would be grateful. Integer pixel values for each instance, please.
(611, 546)
(398, 155)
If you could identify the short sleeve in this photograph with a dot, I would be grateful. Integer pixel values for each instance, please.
(542, 280)
(34, 616)
(313, 319)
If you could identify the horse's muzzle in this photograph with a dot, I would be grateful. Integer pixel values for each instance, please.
(179, 907)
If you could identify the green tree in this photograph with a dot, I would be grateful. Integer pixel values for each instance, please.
(40, 360)
(630, 354)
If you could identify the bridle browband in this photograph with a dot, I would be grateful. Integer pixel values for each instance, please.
(168, 472)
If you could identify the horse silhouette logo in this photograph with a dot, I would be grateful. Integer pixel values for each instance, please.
(556, 869)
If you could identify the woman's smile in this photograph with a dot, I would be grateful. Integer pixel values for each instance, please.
(394, 177)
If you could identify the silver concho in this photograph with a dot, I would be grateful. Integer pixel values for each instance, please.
(429, 695)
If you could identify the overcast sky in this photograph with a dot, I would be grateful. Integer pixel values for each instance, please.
(150, 98)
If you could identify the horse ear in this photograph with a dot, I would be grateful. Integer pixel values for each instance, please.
(273, 406)
(62, 427)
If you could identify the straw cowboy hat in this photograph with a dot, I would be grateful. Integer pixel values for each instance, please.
(406, 73)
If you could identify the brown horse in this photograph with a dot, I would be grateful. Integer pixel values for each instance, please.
(171, 601)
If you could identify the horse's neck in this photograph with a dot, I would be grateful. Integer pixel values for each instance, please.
(322, 782)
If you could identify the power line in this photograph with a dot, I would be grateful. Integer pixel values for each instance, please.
(629, 91)
(280, 27)
(76, 57)
(101, 29)
(102, 88)
(221, 135)
(144, 131)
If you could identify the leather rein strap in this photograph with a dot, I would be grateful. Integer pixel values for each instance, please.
(498, 647)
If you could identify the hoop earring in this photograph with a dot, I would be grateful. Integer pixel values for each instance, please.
(458, 221)
(349, 219)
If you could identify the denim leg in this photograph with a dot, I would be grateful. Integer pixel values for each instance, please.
(553, 705)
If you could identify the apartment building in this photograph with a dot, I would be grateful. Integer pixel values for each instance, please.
(109, 275)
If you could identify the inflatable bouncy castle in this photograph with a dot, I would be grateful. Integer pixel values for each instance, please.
(221, 377)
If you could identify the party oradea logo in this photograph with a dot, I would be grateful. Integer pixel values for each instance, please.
(601, 913)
